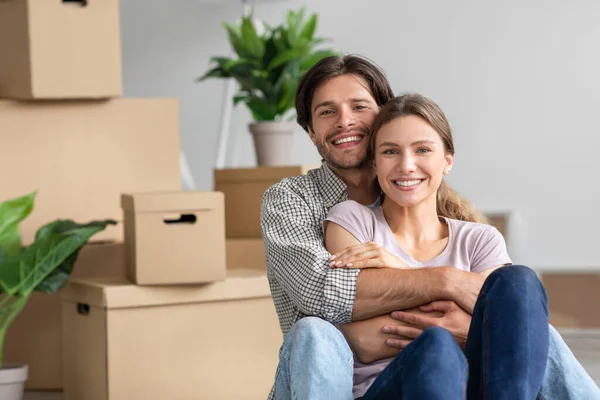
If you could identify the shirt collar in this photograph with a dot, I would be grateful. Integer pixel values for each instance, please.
(332, 188)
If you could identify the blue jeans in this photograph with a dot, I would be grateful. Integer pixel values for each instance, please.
(431, 367)
(507, 347)
(320, 361)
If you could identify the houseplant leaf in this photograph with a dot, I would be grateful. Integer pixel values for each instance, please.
(235, 39)
(57, 278)
(12, 212)
(269, 65)
(250, 40)
(260, 109)
(309, 29)
(216, 72)
(55, 243)
(282, 58)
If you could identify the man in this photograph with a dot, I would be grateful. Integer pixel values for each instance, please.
(336, 103)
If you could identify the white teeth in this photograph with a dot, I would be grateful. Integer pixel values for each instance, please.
(347, 139)
(407, 183)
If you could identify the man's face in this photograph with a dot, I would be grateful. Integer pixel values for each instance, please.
(343, 110)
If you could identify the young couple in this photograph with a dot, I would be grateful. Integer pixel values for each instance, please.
(418, 300)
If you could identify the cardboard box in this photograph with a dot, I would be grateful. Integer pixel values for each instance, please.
(54, 49)
(246, 254)
(81, 156)
(34, 337)
(573, 298)
(122, 341)
(243, 189)
(174, 237)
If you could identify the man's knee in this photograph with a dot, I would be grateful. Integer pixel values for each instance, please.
(315, 331)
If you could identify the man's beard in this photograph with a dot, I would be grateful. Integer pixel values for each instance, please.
(333, 161)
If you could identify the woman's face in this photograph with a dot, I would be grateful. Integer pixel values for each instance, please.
(410, 159)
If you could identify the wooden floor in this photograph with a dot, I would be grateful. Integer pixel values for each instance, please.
(584, 344)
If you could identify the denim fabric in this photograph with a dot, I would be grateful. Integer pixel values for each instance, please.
(432, 367)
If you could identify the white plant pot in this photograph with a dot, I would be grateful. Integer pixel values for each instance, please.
(272, 142)
(12, 381)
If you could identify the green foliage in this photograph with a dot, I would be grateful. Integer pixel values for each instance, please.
(269, 65)
(45, 265)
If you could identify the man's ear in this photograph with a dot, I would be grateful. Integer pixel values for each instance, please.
(311, 135)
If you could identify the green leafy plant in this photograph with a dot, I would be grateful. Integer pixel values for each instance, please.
(44, 266)
(269, 65)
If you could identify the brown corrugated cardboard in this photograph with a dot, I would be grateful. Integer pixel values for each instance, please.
(81, 156)
(34, 337)
(174, 342)
(53, 49)
(246, 254)
(243, 189)
(174, 237)
(573, 298)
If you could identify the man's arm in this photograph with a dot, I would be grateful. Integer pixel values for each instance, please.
(298, 261)
(383, 290)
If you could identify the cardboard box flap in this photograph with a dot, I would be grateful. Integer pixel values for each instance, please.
(114, 293)
(259, 174)
(171, 201)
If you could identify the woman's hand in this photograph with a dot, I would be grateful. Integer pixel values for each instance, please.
(367, 255)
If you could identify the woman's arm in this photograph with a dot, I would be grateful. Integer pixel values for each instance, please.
(367, 339)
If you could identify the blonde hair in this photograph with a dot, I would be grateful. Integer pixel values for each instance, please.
(449, 203)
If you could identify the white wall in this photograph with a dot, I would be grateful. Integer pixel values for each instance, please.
(518, 80)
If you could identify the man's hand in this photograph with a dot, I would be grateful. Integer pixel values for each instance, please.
(456, 320)
(367, 255)
(464, 287)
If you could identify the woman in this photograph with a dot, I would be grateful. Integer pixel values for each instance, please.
(422, 223)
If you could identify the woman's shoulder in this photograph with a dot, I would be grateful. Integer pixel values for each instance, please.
(473, 229)
(355, 218)
(351, 207)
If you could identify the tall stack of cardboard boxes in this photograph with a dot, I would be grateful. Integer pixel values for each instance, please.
(150, 311)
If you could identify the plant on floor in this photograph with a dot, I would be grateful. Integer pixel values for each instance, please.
(44, 266)
(269, 64)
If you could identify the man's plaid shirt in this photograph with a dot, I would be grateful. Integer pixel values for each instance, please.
(302, 284)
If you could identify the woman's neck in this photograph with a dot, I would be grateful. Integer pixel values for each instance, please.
(414, 225)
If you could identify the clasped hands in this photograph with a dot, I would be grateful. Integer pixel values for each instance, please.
(463, 288)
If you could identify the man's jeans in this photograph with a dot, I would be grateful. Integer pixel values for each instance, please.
(320, 361)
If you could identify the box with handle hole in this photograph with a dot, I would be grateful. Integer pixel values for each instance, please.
(174, 237)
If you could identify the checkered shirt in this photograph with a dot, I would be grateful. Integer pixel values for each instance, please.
(302, 284)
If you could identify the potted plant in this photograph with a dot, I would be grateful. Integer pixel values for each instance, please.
(45, 266)
(267, 68)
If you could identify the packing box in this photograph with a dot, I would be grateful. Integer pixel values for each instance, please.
(246, 254)
(573, 298)
(59, 49)
(123, 341)
(81, 156)
(243, 189)
(34, 337)
(174, 237)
